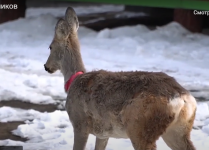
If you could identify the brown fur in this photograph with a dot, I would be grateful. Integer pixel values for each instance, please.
(138, 105)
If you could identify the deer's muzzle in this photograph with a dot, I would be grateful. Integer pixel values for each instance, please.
(47, 69)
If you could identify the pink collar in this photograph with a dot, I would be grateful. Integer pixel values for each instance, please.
(68, 83)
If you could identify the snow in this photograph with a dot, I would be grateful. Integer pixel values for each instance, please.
(24, 50)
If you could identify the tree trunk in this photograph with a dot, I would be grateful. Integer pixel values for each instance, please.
(12, 14)
(187, 19)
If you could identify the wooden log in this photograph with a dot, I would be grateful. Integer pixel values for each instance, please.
(187, 19)
(12, 14)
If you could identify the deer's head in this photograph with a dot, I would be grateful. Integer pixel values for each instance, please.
(63, 30)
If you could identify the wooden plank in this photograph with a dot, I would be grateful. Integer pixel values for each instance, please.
(186, 18)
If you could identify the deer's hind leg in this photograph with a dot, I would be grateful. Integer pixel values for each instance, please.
(177, 135)
(146, 121)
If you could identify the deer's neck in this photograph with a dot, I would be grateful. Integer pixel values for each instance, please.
(72, 61)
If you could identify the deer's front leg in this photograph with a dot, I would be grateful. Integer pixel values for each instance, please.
(101, 144)
(80, 140)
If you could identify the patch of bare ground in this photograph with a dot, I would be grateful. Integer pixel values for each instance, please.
(6, 129)
(27, 105)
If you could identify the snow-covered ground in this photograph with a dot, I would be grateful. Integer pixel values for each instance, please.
(24, 50)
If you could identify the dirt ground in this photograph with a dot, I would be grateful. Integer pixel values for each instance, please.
(6, 128)
(26, 105)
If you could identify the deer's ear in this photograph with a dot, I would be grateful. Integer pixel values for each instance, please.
(72, 19)
(61, 29)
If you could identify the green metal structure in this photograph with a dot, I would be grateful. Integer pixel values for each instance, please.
(185, 4)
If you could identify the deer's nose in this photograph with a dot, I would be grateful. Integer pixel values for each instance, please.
(47, 69)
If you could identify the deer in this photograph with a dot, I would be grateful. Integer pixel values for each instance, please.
(138, 105)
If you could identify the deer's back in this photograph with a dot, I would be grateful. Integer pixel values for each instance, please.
(111, 89)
